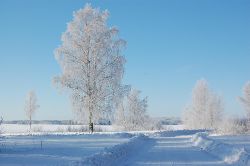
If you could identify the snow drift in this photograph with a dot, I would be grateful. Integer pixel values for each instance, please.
(111, 156)
(228, 153)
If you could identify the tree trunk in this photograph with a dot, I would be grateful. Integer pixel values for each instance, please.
(91, 124)
(30, 123)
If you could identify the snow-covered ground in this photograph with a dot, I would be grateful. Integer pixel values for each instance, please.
(173, 147)
(22, 129)
(38, 129)
(239, 141)
(171, 151)
(54, 150)
(228, 153)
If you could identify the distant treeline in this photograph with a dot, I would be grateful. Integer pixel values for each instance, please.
(169, 120)
(58, 122)
(162, 120)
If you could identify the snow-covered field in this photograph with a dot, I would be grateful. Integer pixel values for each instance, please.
(54, 150)
(173, 147)
(41, 129)
(20, 129)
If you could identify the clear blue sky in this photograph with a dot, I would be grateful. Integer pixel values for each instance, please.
(171, 44)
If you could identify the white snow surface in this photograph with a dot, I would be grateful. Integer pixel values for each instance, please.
(53, 129)
(228, 153)
(160, 148)
(113, 155)
(239, 141)
(41, 129)
(173, 147)
(51, 150)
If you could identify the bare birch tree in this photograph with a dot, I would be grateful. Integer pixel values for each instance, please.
(92, 64)
(31, 106)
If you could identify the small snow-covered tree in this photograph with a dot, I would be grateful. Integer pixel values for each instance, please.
(132, 112)
(194, 115)
(120, 118)
(245, 99)
(214, 113)
(205, 110)
(92, 64)
(31, 106)
(233, 125)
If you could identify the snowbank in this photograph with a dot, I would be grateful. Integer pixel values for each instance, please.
(226, 152)
(110, 156)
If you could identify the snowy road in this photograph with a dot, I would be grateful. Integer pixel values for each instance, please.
(173, 151)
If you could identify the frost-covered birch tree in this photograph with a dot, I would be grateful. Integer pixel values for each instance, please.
(245, 99)
(205, 109)
(132, 112)
(194, 114)
(92, 64)
(31, 106)
(214, 113)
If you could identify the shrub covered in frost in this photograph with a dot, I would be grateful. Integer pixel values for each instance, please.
(233, 126)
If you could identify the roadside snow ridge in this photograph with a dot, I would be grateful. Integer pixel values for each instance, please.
(110, 156)
(228, 153)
